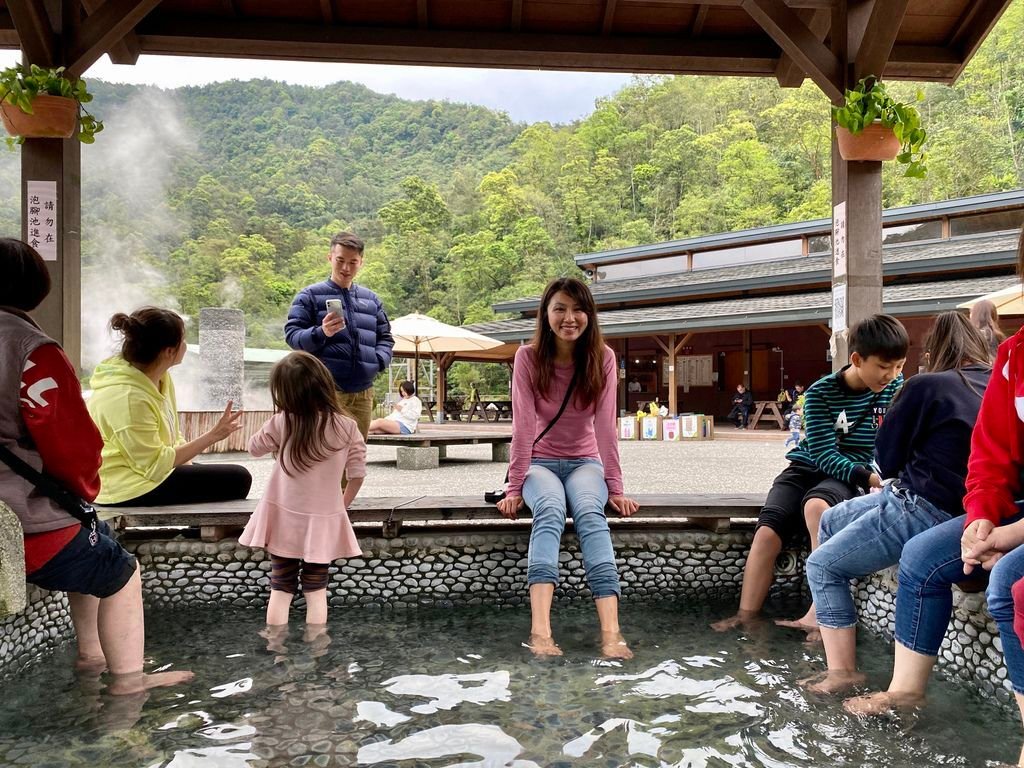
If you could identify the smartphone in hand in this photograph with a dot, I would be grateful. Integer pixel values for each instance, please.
(335, 306)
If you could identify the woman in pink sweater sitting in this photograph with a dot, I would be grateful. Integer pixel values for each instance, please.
(565, 457)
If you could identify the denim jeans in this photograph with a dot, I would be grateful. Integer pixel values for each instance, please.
(924, 603)
(861, 536)
(553, 487)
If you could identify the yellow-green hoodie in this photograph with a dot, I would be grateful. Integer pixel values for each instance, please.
(139, 425)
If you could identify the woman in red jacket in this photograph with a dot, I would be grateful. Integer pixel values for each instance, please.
(43, 422)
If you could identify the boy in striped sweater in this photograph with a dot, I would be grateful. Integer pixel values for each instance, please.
(834, 462)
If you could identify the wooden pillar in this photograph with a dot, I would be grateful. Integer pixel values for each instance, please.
(856, 186)
(59, 161)
(748, 359)
(56, 161)
(673, 404)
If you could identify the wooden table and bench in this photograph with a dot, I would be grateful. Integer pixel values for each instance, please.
(424, 450)
(484, 410)
(774, 411)
(710, 511)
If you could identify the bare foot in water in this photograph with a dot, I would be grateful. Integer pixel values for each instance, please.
(741, 619)
(613, 646)
(542, 645)
(137, 682)
(881, 703)
(832, 681)
(806, 623)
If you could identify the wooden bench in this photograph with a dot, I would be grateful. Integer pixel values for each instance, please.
(714, 512)
(424, 450)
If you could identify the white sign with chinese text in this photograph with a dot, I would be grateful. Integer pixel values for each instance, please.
(839, 240)
(839, 309)
(41, 218)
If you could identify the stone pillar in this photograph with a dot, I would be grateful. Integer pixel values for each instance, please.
(221, 358)
(12, 563)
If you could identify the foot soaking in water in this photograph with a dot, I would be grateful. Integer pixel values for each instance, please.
(440, 688)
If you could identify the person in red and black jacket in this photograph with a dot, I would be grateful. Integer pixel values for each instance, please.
(44, 422)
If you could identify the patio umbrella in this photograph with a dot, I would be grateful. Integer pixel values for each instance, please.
(1008, 301)
(417, 333)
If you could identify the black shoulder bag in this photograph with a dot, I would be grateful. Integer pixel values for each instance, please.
(493, 497)
(71, 503)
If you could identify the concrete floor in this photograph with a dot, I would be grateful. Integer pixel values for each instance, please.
(734, 462)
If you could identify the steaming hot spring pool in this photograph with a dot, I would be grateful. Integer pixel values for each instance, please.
(447, 688)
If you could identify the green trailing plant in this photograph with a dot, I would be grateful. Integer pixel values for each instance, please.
(870, 101)
(20, 88)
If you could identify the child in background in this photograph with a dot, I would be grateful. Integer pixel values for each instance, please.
(795, 422)
(302, 519)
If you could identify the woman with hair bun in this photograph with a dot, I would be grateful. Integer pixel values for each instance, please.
(146, 462)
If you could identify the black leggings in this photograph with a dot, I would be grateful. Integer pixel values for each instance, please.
(196, 484)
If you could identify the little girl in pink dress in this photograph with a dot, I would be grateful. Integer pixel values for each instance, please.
(302, 519)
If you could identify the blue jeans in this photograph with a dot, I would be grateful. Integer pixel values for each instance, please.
(930, 565)
(861, 536)
(553, 487)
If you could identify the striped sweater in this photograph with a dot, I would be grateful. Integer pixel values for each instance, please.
(840, 424)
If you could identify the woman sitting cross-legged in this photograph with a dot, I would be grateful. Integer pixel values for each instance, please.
(565, 457)
(145, 460)
(405, 414)
(922, 446)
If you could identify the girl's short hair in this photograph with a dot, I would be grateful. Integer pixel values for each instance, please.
(408, 388)
(303, 390)
(147, 332)
(26, 280)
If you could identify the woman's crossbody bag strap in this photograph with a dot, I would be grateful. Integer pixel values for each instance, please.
(75, 506)
(561, 410)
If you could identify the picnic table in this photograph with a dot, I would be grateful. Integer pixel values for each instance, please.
(775, 412)
(424, 450)
(484, 410)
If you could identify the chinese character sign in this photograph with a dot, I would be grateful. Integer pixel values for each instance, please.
(41, 218)
(839, 240)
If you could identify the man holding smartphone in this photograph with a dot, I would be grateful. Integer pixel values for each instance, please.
(344, 325)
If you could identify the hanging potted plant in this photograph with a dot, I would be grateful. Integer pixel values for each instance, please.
(872, 125)
(41, 103)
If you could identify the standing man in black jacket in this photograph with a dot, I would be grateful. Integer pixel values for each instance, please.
(344, 325)
(742, 402)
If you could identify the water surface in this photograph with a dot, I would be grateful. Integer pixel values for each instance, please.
(455, 689)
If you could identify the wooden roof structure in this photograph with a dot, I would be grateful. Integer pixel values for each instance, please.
(786, 39)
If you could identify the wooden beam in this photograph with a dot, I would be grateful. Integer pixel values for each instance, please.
(101, 30)
(673, 401)
(683, 342)
(977, 21)
(787, 72)
(516, 22)
(35, 32)
(698, 21)
(879, 37)
(422, 14)
(609, 17)
(794, 38)
(664, 347)
(125, 51)
(178, 35)
(824, 329)
(327, 11)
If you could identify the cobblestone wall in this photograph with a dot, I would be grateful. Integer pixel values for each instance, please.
(44, 624)
(434, 569)
(971, 650)
(446, 570)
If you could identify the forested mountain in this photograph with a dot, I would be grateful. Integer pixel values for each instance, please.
(228, 193)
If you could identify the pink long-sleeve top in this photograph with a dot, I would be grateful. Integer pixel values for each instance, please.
(579, 432)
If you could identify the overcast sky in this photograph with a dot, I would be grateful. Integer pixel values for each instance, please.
(526, 95)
